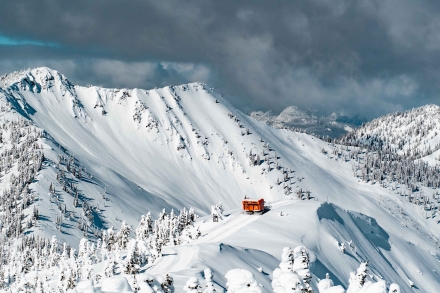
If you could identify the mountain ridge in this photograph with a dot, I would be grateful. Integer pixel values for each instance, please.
(413, 133)
(144, 150)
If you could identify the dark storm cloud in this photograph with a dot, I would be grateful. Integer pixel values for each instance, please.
(368, 57)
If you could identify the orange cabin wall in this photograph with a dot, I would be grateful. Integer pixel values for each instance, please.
(253, 205)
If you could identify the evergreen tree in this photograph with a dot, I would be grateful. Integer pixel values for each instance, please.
(192, 285)
(123, 235)
(168, 284)
(70, 280)
(208, 279)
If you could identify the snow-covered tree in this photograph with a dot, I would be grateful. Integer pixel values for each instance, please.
(284, 282)
(293, 273)
(394, 288)
(168, 284)
(62, 282)
(216, 212)
(70, 280)
(110, 268)
(135, 286)
(82, 249)
(241, 281)
(208, 279)
(301, 264)
(359, 284)
(192, 285)
(326, 286)
(123, 235)
(357, 278)
(132, 260)
(370, 287)
(287, 259)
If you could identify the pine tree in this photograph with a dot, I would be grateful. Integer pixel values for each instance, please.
(357, 279)
(131, 261)
(110, 268)
(168, 284)
(135, 286)
(209, 284)
(192, 285)
(123, 235)
(70, 281)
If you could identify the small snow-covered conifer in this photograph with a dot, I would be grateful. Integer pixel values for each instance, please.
(241, 281)
(394, 288)
(168, 284)
(209, 284)
(192, 285)
(358, 278)
(123, 235)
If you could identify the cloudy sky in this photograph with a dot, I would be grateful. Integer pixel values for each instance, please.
(366, 57)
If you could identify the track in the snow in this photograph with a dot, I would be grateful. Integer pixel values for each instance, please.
(174, 259)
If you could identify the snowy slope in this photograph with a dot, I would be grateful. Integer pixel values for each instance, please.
(186, 146)
(413, 132)
(143, 143)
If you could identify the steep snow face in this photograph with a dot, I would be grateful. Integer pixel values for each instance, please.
(413, 132)
(185, 145)
(148, 150)
(156, 136)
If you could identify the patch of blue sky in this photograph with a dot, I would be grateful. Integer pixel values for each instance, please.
(7, 41)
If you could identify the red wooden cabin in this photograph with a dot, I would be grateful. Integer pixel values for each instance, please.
(251, 205)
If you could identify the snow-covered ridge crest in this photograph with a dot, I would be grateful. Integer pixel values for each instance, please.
(44, 79)
(37, 79)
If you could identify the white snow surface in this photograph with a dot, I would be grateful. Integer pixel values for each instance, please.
(177, 147)
(115, 285)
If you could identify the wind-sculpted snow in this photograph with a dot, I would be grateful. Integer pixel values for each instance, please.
(112, 155)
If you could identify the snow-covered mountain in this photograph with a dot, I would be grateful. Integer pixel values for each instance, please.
(115, 154)
(297, 120)
(413, 133)
(145, 142)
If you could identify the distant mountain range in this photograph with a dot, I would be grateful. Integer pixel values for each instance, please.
(332, 126)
